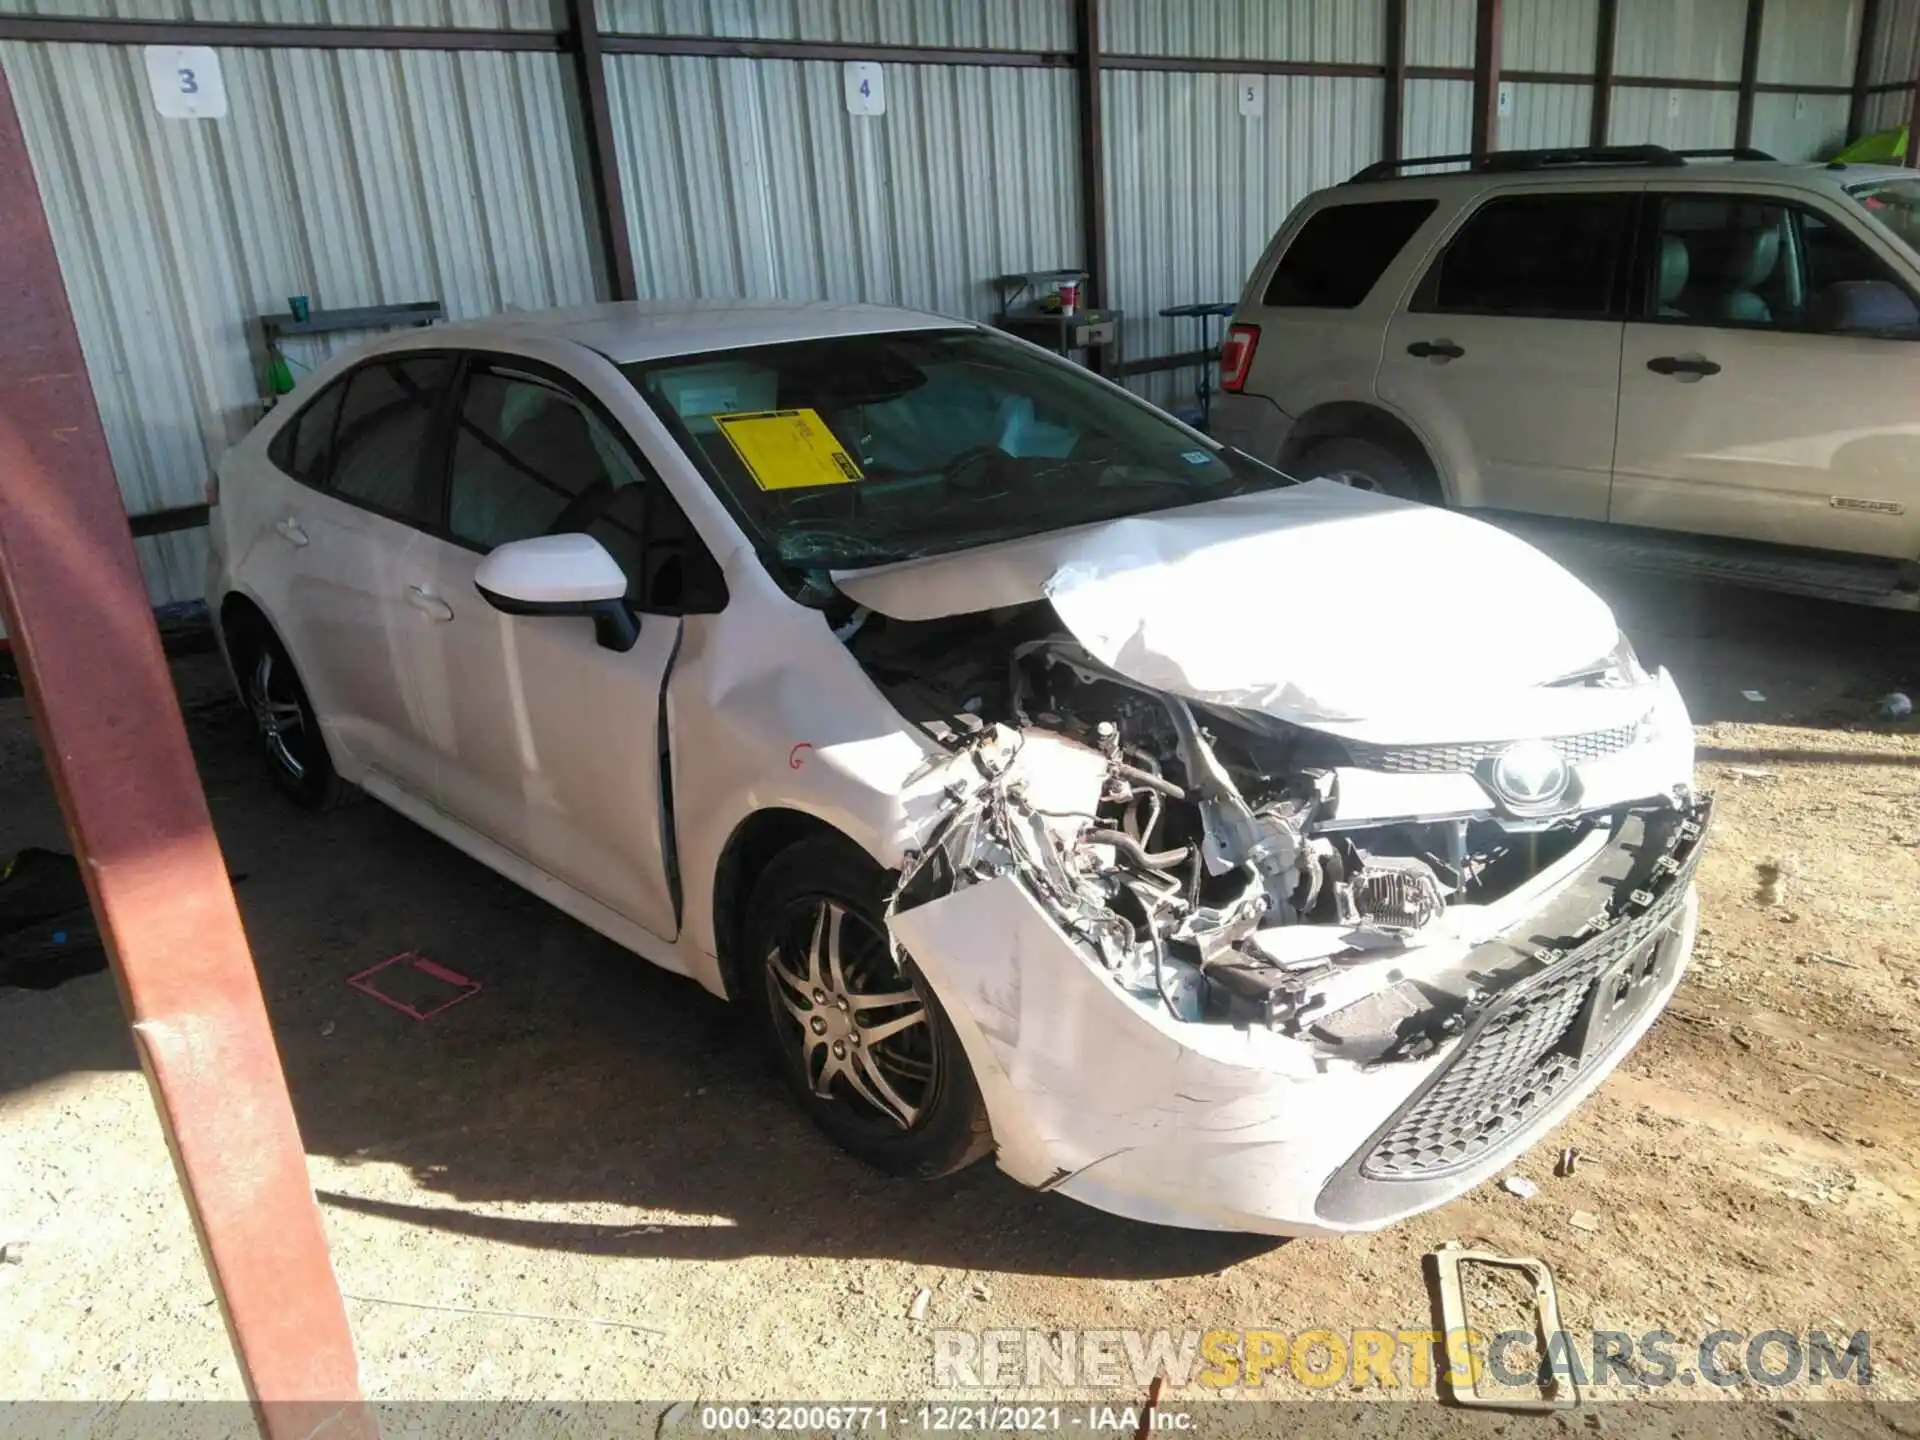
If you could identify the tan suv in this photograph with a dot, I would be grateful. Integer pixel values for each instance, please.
(1689, 360)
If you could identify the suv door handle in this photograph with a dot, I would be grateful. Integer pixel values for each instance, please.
(1435, 350)
(290, 531)
(1695, 365)
(428, 603)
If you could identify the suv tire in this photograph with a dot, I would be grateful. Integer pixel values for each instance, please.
(1369, 465)
(792, 959)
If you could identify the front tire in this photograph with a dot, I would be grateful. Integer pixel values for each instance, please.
(284, 724)
(1369, 465)
(861, 1041)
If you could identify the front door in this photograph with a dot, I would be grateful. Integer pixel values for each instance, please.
(1507, 357)
(550, 745)
(1742, 411)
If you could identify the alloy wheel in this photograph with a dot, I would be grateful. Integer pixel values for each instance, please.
(860, 1025)
(277, 714)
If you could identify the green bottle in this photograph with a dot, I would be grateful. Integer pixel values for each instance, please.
(279, 375)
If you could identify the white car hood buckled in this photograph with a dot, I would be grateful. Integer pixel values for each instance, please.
(1312, 603)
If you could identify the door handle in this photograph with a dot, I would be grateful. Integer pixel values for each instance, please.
(290, 531)
(428, 603)
(1442, 350)
(1694, 365)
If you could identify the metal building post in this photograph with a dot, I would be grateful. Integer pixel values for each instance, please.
(1749, 71)
(603, 158)
(1486, 78)
(1863, 58)
(82, 629)
(1606, 41)
(1393, 108)
(1093, 160)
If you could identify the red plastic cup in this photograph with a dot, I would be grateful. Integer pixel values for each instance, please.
(1069, 296)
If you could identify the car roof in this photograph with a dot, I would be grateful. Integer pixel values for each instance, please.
(1805, 176)
(638, 330)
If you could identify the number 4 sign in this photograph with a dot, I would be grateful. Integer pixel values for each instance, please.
(186, 82)
(866, 88)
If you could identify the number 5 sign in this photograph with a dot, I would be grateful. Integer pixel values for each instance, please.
(186, 82)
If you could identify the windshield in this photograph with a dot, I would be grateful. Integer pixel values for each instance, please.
(859, 450)
(1895, 203)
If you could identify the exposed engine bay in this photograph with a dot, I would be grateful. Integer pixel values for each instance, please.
(1207, 865)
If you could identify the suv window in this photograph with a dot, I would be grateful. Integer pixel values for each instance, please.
(380, 437)
(1749, 260)
(1341, 253)
(1551, 256)
(304, 443)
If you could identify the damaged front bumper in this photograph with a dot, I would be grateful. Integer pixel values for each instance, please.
(1243, 1127)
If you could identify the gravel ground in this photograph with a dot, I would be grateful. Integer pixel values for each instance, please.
(593, 1151)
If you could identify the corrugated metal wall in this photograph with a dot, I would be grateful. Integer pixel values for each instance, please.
(1809, 42)
(1800, 127)
(987, 24)
(1440, 32)
(1685, 39)
(1337, 31)
(749, 177)
(434, 14)
(1681, 119)
(1195, 189)
(1893, 39)
(1547, 115)
(1887, 111)
(354, 177)
(1549, 35)
(1437, 118)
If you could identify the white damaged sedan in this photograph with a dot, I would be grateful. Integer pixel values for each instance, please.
(1047, 780)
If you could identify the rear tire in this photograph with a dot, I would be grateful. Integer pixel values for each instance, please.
(288, 732)
(1369, 465)
(885, 1079)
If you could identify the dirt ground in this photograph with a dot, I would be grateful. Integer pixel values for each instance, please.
(595, 1148)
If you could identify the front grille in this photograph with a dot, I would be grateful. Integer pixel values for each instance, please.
(1521, 1053)
(1513, 1068)
(1467, 757)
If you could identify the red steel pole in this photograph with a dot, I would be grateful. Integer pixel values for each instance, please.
(82, 629)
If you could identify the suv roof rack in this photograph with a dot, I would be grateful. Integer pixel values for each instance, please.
(1505, 161)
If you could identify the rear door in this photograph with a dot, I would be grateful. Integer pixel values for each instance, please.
(1741, 414)
(1506, 357)
(337, 566)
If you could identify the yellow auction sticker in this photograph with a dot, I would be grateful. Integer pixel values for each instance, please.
(788, 449)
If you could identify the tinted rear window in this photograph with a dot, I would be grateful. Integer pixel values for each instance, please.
(1542, 255)
(1341, 253)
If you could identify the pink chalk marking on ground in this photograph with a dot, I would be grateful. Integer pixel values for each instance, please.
(467, 988)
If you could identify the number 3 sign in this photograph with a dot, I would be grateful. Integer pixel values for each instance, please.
(186, 82)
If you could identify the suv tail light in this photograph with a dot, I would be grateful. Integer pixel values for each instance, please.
(1236, 356)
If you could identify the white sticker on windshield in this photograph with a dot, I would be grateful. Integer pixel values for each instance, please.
(1198, 457)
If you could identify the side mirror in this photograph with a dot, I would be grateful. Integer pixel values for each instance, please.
(1864, 307)
(561, 575)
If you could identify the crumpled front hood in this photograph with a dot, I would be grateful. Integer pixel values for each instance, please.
(1315, 603)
